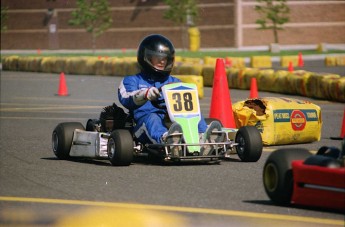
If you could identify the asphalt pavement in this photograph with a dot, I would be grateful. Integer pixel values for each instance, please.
(37, 189)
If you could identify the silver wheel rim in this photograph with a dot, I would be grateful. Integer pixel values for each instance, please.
(240, 147)
(111, 148)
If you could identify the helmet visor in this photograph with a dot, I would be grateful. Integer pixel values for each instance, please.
(159, 60)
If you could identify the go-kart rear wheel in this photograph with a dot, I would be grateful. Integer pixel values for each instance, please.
(120, 147)
(277, 174)
(249, 148)
(62, 138)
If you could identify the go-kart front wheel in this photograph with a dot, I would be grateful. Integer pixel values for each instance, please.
(62, 138)
(277, 174)
(120, 147)
(249, 146)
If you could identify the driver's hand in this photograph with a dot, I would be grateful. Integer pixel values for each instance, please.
(152, 94)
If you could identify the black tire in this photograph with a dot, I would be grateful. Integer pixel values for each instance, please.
(62, 138)
(249, 148)
(277, 173)
(120, 148)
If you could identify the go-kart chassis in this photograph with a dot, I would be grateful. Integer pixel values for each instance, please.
(220, 150)
(94, 145)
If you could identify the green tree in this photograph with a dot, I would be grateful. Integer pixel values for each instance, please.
(273, 15)
(182, 13)
(4, 17)
(94, 16)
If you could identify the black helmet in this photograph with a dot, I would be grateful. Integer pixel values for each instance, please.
(156, 48)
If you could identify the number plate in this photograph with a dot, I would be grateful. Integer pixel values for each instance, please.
(182, 103)
(181, 100)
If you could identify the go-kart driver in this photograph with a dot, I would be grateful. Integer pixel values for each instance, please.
(156, 55)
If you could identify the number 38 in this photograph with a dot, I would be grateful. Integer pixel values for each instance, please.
(185, 102)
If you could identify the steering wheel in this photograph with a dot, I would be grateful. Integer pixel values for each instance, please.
(160, 102)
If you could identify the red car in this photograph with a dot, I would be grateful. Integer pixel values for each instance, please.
(295, 176)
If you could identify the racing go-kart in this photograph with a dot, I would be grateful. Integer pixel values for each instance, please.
(295, 176)
(110, 136)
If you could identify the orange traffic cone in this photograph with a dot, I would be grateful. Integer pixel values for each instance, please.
(342, 132)
(63, 90)
(221, 107)
(300, 60)
(290, 68)
(253, 89)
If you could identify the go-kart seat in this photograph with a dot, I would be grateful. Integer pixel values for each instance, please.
(326, 157)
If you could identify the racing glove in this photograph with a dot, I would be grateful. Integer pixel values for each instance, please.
(143, 95)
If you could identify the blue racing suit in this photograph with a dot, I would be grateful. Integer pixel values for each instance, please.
(149, 120)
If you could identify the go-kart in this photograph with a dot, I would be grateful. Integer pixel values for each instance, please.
(296, 176)
(111, 137)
